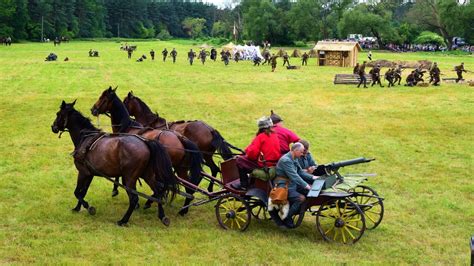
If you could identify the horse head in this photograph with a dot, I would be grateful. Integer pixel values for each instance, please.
(61, 121)
(132, 104)
(104, 103)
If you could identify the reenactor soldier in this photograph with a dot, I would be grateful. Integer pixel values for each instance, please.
(222, 55)
(411, 79)
(225, 58)
(229, 56)
(459, 69)
(165, 54)
(273, 60)
(213, 54)
(256, 60)
(267, 56)
(129, 52)
(286, 59)
(397, 74)
(375, 74)
(304, 59)
(362, 75)
(191, 56)
(435, 72)
(356, 69)
(389, 76)
(141, 58)
(152, 54)
(91, 53)
(174, 54)
(237, 56)
(51, 57)
(419, 72)
(202, 56)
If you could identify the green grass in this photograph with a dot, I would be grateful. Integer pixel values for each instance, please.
(422, 139)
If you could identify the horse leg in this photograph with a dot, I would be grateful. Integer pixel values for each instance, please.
(115, 189)
(83, 183)
(214, 169)
(132, 198)
(183, 174)
(161, 215)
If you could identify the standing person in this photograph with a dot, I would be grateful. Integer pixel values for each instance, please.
(286, 59)
(369, 55)
(273, 60)
(202, 56)
(265, 147)
(267, 56)
(152, 54)
(285, 135)
(213, 54)
(398, 74)
(237, 56)
(191, 56)
(129, 52)
(300, 180)
(304, 59)
(174, 54)
(435, 72)
(362, 75)
(375, 74)
(165, 54)
(459, 69)
(225, 58)
(355, 71)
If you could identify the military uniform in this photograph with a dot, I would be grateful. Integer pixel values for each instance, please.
(273, 60)
(435, 72)
(411, 79)
(286, 59)
(173, 55)
(152, 54)
(165, 54)
(356, 69)
(397, 75)
(225, 58)
(237, 57)
(191, 56)
(267, 56)
(213, 54)
(375, 74)
(459, 69)
(129, 52)
(202, 56)
(362, 76)
(256, 61)
(389, 76)
(419, 75)
(305, 59)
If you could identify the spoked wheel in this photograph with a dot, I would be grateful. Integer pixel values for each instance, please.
(370, 203)
(258, 209)
(298, 218)
(341, 221)
(233, 213)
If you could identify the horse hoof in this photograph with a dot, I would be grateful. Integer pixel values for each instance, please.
(147, 206)
(183, 212)
(166, 221)
(114, 193)
(121, 223)
(91, 210)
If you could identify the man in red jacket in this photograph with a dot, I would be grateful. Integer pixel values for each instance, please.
(264, 147)
(285, 135)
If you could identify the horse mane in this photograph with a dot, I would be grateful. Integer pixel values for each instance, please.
(82, 121)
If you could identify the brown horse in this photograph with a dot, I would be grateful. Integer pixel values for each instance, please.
(184, 154)
(207, 138)
(129, 156)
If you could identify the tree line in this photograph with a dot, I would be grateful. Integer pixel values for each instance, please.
(278, 21)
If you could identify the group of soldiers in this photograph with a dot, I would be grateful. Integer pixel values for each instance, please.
(394, 75)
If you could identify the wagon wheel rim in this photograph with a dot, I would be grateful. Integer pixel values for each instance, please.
(233, 213)
(258, 209)
(370, 203)
(298, 218)
(340, 221)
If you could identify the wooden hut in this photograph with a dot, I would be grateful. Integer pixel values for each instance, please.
(343, 54)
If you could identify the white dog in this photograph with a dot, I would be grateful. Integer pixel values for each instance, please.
(282, 208)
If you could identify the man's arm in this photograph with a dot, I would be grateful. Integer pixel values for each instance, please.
(290, 171)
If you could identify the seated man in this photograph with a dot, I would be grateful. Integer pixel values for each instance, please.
(306, 161)
(289, 168)
(265, 146)
(285, 135)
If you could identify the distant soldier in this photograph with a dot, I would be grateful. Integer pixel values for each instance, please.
(165, 54)
(191, 56)
(225, 58)
(362, 75)
(389, 76)
(152, 54)
(267, 56)
(459, 69)
(256, 60)
(174, 54)
(411, 79)
(304, 59)
(202, 56)
(435, 72)
(355, 71)
(66, 59)
(375, 74)
(141, 59)
(91, 53)
(51, 57)
(213, 54)
(237, 56)
(397, 74)
(129, 52)
(419, 72)
(273, 60)
(286, 59)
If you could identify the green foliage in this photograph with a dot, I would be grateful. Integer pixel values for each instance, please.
(164, 35)
(193, 27)
(428, 37)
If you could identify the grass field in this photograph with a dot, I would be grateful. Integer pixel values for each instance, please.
(422, 139)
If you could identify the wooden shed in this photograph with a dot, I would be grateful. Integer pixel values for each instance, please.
(343, 54)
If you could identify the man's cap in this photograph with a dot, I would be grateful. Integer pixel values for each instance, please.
(275, 118)
(264, 122)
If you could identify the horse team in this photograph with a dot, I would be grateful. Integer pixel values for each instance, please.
(149, 148)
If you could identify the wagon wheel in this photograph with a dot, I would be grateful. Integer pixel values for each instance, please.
(298, 218)
(340, 220)
(370, 203)
(258, 209)
(233, 213)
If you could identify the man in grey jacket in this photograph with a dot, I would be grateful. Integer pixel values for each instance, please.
(289, 167)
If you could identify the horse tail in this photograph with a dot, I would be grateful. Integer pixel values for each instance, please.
(161, 166)
(195, 156)
(222, 146)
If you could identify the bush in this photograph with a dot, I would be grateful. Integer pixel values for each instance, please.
(428, 37)
(299, 44)
(164, 35)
